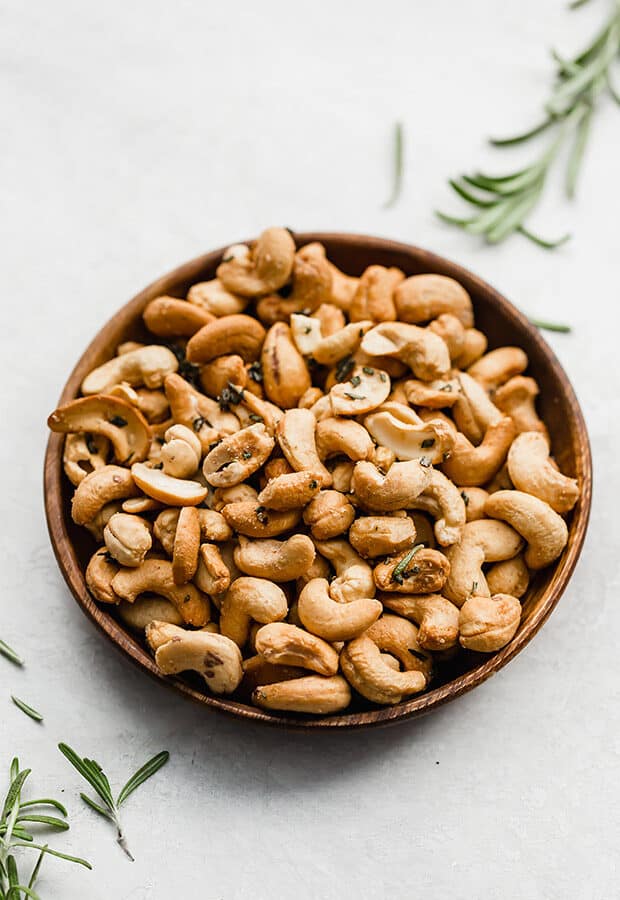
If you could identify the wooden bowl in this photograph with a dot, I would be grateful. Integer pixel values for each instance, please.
(500, 321)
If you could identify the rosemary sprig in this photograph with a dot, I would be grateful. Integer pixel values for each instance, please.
(27, 709)
(397, 176)
(501, 204)
(98, 780)
(551, 326)
(14, 835)
(10, 654)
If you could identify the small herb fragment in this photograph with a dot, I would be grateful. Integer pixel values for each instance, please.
(354, 396)
(355, 380)
(344, 368)
(397, 177)
(465, 498)
(158, 465)
(400, 571)
(255, 372)
(551, 326)
(261, 515)
(118, 421)
(27, 709)
(314, 485)
(230, 396)
(425, 462)
(91, 445)
(247, 454)
(382, 377)
(198, 423)
(368, 370)
(253, 417)
(10, 654)
(447, 388)
(428, 442)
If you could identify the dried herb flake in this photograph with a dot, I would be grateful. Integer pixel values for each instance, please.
(400, 571)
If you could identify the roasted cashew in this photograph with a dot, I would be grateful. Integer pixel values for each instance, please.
(237, 334)
(238, 456)
(343, 437)
(374, 678)
(436, 617)
(98, 489)
(216, 375)
(312, 280)
(422, 572)
(249, 518)
(375, 536)
(469, 465)
(331, 318)
(498, 366)
(289, 491)
(353, 575)
(366, 389)
(240, 492)
(342, 472)
(145, 366)
(213, 656)
(517, 399)
(437, 394)
(153, 404)
(215, 299)
(170, 317)
(296, 436)
(306, 333)
(261, 270)
(83, 453)
(312, 694)
(397, 490)
(331, 620)
(474, 346)
(482, 542)
(165, 527)
(509, 577)
(144, 610)
(112, 418)
(99, 574)
(278, 561)
(155, 576)
(374, 297)
(288, 645)
(328, 515)
(450, 329)
(128, 539)
(285, 374)
(540, 526)
(171, 491)
(247, 600)
(343, 288)
(531, 471)
(198, 412)
(444, 501)
(473, 411)
(212, 575)
(474, 499)
(424, 352)
(334, 347)
(181, 452)
(421, 298)
(399, 428)
(186, 545)
(487, 624)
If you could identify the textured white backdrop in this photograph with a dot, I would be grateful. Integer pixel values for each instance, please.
(139, 134)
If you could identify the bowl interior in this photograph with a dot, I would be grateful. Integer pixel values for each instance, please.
(502, 324)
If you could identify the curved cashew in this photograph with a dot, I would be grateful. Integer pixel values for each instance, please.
(155, 576)
(144, 610)
(474, 499)
(488, 623)
(436, 617)
(343, 437)
(181, 452)
(139, 505)
(213, 576)
(474, 346)
(415, 571)
(312, 694)
(331, 620)
(273, 469)
(288, 645)
(115, 419)
(306, 333)
(334, 347)
(331, 318)
(213, 656)
(437, 394)
(263, 269)
(276, 560)
(473, 411)
(289, 491)
(171, 491)
(421, 298)
(238, 456)
(216, 375)
(372, 676)
(200, 413)
(483, 541)
(424, 352)
(128, 539)
(249, 518)
(296, 436)
(343, 287)
(328, 515)
(374, 297)
(509, 577)
(469, 465)
(311, 285)
(285, 374)
(398, 427)
(451, 331)
(101, 519)
(543, 529)
(170, 317)
(99, 488)
(353, 575)
(215, 299)
(213, 526)
(500, 481)
(366, 389)
(186, 545)
(424, 530)
(153, 404)
(147, 365)
(517, 399)
(99, 573)
(397, 490)
(247, 600)
(82, 454)
(375, 536)
(531, 471)
(342, 473)
(165, 527)
(445, 502)
(237, 334)
(498, 366)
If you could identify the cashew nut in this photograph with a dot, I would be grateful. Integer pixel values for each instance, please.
(249, 518)
(421, 298)
(247, 600)
(343, 437)
(112, 418)
(531, 471)
(276, 560)
(99, 574)
(213, 656)
(215, 299)
(238, 456)
(498, 366)
(451, 331)
(474, 345)
(424, 352)
(328, 515)
(381, 535)
(312, 694)
(171, 317)
(144, 610)
(198, 412)
(331, 620)
(128, 539)
(509, 577)
(289, 491)
(181, 452)
(487, 624)
(517, 399)
(422, 572)
(237, 334)
(312, 281)
(216, 375)
(354, 577)
(171, 491)
(296, 436)
(474, 499)
(265, 268)
(155, 576)
(398, 427)
(443, 500)
(437, 394)
(334, 347)
(82, 454)
(147, 365)
(212, 575)
(436, 617)
(285, 374)
(366, 389)
(397, 490)
(374, 297)
(544, 531)
(99, 488)
(186, 545)
(483, 541)
(288, 645)
(473, 411)
(469, 465)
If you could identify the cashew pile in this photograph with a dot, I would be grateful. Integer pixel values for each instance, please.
(312, 485)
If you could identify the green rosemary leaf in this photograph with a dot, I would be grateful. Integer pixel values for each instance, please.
(12, 798)
(551, 326)
(564, 96)
(52, 821)
(543, 242)
(399, 574)
(452, 220)
(489, 218)
(14, 768)
(92, 772)
(397, 176)
(575, 4)
(524, 136)
(467, 195)
(19, 889)
(146, 771)
(611, 87)
(46, 801)
(28, 710)
(514, 217)
(46, 849)
(577, 152)
(10, 654)
(90, 802)
(37, 866)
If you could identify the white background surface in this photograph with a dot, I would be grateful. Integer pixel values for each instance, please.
(138, 135)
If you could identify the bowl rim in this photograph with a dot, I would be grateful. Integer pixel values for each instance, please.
(417, 706)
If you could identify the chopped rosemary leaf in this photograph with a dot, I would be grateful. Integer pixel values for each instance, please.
(253, 417)
(368, 370)
(247, 454)
(551, 326)
(261, 515)
(355, 380)
(382, 376)
(354, 396)
(230, 396)
(465, 498)
(118, 421)
(198, 423)
(397, 177)
(90, 445)
(447, 388)
(10, 654)
(344, 368)
(255, 372)
(28, 710)
(400, 570)
(425, 462)
(428, 442)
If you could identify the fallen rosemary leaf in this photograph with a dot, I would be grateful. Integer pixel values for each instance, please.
(397, 175)
(551, 326)
(27, 709)
(10, 654)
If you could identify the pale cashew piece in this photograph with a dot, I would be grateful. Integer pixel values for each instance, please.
(474, 499)
(354, 577)
(212, 575)
(215, 299)
(311, 285)
(291, 490)
(437, 394)
(98, 489)
(374, 297)
(474, 346)
(99, 574)
(251, 599)
(331, 318)
(375, 536)
(450, 329)
(171, 491)
(509, 577)
(329, 514)
(331, 349)
(112, 418)
(285, 374)
(483, 541)
(422, 572)
(154, 576)
(446, 504)
(278, 561)
(199, 413)
(170, 317)
(296, 437)
(473, 411)
(398, 427)
(144, 610)
(366, 389)
(531, 471)
(165, 527)
(128, 539)
(145, 366)
(331, 620)
(216, 375)
(397, 490)
(288, 645)
(421, 298)
(265, 268)
(541, 527)
(213, 656)
(487, 624)
(238, 334)
(306, 332)
(436, 617)
(101, 518)
(424, 352)
(238, 456)
(335, 437)
(312, 694)
(82, 453)
(498, 366)
(186, 545)
(181, 452)
(517, 399)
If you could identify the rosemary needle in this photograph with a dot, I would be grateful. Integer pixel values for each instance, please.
(551, 326)
(9, 653)
(397, 177)
(29, 710)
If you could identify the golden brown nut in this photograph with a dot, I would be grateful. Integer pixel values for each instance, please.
(374, 297)
(98, 489)
(328, 515)
(264, 268)
(249, 518)
(238, 334)
(425, 297)
(437, 618)
(291, 646)
(112, 418)
(127, 538)
(216, 375)
(170, 317)
(215, 299)
(312, 694)
(154, 576)
(291, 490)
(381, 535)
(420, 572)
(285, 374)
(186, 545)
(517, 398)
(487, 624)
(278, 561)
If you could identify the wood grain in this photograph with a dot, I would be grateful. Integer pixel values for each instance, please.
(501, 322)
